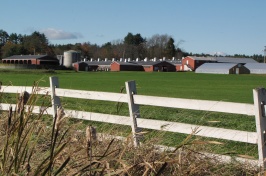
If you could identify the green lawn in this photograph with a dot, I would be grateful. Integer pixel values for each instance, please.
(232, 88)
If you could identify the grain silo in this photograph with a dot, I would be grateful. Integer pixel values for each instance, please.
(70, 57)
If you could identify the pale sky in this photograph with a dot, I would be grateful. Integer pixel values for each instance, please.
(205, 26)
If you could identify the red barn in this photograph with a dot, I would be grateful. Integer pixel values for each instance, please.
(177, 64)
(190, 63)
(160, 66)
(178, 67)
(125, 66)
(31, 60)
(84, 66)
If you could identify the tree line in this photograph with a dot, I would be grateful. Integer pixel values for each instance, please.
(132, 46)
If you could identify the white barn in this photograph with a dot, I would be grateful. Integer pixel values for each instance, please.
(222, 68)
(256, 68)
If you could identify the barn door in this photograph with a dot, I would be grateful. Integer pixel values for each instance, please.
(237, 71)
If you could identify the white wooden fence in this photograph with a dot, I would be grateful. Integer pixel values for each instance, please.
(136, 122)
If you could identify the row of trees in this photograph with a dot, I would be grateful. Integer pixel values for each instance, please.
(132, 46)
(16, 44)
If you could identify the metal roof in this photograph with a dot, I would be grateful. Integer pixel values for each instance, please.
(150, 63)
(127, 63)
(235, 60)
(256, 68)
(176, 62)
(107, 63)
(221, 68)
(82, 62)
(203, 58)
(98, 62)
(225, 59)
(26, 57)
(147, 62)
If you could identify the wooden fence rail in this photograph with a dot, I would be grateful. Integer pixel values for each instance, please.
(136, 122)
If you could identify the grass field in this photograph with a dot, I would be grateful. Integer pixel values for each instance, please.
(232, 88)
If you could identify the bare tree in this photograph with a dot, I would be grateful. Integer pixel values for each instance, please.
(179, 51)
(119, 48)
(156, 45)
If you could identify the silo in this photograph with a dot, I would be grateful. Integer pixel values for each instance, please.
(70, 57)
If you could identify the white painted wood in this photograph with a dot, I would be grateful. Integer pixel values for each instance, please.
(98, 117)
(92, 95)
(35, 110)
(19, 89)
(5, 106)
(234, 135)
(134, 112)
(54, 83)
(123, 120)
(218, 106)
(259, 96)
(175, 127)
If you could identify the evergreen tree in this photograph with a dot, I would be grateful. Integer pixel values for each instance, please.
(170, 48)
(37, 43)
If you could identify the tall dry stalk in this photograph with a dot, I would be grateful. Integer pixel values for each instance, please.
(18, 147)
(57, 145)
(21, 134)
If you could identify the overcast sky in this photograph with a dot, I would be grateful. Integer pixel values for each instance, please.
(205, 26)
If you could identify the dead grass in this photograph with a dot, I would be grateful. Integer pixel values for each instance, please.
(32, 146)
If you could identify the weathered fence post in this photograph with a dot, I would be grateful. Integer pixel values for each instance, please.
(259, 96)
(54, 83)
(133, 110)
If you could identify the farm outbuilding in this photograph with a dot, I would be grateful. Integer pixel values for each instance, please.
(191, 63)
(31, 60)
(178, 67)
(256, 68)
(70, 57)
(103, 65)
(125, 66)
(84, 66)
(222, 68)
(92, 66)
(161, 66)
(177, 64)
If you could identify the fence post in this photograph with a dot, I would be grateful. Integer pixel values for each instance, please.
(259, 96)
(133, 110)
(54, 83)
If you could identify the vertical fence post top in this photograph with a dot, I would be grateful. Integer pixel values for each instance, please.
(262, 89)
(131, 87)
(54, 81)
(130, 81)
